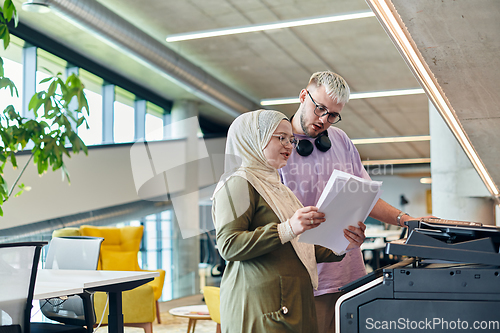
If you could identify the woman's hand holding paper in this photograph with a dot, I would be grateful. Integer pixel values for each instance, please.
(306, 218)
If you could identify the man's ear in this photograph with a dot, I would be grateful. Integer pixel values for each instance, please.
(302, 95)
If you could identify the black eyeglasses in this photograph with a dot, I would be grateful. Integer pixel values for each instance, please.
(285, 140)
(333, 118)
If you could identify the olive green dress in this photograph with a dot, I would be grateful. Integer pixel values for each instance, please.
(265, 287)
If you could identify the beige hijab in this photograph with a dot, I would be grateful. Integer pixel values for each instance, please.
(248, 135)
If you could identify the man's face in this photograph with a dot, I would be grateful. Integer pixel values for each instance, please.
(311, 124)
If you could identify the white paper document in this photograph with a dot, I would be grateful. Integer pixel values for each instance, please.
(345, 200)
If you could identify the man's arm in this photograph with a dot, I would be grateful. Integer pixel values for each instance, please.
(384, 212)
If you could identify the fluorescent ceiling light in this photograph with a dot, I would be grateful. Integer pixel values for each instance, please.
(269, 26)
(426, 180)
(396, 161)
(387, 93)
(354, 95)
(395, 139)
(280, 101)
(417, 65)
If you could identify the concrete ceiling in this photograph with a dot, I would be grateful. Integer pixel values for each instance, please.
(460, 43)
(278, 63)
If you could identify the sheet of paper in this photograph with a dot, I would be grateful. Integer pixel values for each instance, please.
(333, 187)
(346, 200)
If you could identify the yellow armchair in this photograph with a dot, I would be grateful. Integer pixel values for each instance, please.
(119, 252)
(138, 307)
(212, 299)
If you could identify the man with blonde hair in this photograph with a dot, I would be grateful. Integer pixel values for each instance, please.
(323, 148)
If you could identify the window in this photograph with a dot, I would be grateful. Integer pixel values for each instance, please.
(13, 69)
(123, 123)
(154, 122)
(47, 65)
(93, 87)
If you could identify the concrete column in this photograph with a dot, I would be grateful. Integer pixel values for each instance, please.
(181, 110)
(167, 131)
(185, 259)
(70, 69)
(108, 102)
(29, 78)
(185, 202)
(140, 106)
(458, 193)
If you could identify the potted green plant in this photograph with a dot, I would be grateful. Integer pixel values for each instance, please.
(51, 132)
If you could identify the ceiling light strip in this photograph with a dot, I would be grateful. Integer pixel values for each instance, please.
(280, 101)
(269, 26)
(426, 180)
(395, 139)
(397, 34)
(387, 93)
(396, 161)
(354, 95)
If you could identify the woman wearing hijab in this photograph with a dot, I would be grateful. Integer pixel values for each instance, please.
(268, 282)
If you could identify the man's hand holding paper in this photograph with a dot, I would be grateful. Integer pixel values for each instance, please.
(346, 200)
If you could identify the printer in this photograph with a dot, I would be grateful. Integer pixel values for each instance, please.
(449, 280)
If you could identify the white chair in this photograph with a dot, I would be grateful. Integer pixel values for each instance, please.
(18, 266)
(80, 253)
(75, 252)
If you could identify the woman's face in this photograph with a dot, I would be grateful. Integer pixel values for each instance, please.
(276, 154)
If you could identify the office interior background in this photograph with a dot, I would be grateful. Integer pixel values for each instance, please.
(432, 141)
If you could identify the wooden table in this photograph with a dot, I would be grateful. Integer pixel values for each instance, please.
(193, 312)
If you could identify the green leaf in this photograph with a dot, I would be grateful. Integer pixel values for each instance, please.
(4, 31)
(64, 88)
(35, 104)
(84, 147)
(47, 106)
(48, 71)
(39, 167)
(80, 121)
(16, 17)
(22, 188)
(6, 82)
(64, 150)
(6, 38)
(52, 89)
(8, 9)
(47, 79)
(13, 159)
(1, 67)
(65, 172)
(82, 100)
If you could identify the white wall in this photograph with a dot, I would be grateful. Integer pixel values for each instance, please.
(415, 192)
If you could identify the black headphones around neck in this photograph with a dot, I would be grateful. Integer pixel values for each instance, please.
(322, 142)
